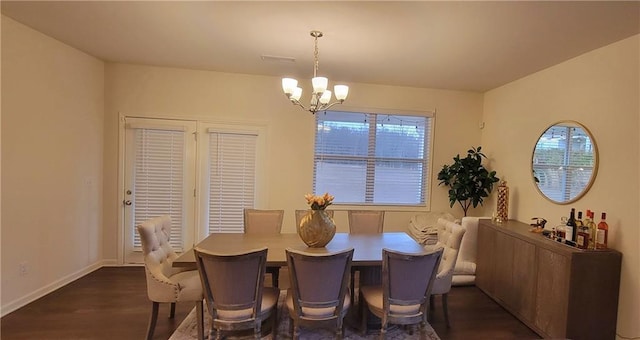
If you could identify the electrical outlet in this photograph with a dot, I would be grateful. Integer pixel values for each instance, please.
(24, 268)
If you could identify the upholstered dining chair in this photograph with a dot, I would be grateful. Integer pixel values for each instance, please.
(363, 222)
(300, 214)
(266, 222)
(366, 221)
(404, 294)
(319, 293)
(166, 284)
(235, 293)
(449, 237)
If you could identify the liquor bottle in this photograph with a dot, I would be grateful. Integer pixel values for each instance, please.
(591, 224)
(579, 222)
(571, 227)
(582, 236)
(561, 228)
(603, 233)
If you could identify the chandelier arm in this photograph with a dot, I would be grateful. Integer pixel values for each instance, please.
(296, 102)
(328, 106)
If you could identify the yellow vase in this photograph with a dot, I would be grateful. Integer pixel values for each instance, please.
(316, 228)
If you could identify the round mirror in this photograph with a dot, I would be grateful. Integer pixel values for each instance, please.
(564, 162)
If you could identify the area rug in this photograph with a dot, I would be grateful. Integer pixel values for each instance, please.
(188, 329)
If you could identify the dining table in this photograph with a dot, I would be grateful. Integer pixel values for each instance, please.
(367, 247)
(367, 254)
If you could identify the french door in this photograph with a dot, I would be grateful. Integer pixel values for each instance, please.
(201, 174)
(159, 179)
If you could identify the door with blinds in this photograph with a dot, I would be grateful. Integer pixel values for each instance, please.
(159, 179)
(229, 176)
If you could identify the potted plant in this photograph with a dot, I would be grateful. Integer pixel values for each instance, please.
(468, 180)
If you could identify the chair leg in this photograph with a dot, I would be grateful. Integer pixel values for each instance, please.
(200, 316)
(274, 324)
(172, 313)
(445, 309)
(383, 329)
(363, 314)
(275, 274)
(353, 285)
(339, 329)
(153, 319)
(257, 330)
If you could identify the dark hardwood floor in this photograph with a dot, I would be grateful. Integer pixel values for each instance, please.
(111, 303)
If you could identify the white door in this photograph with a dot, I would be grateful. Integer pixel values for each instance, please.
(159, 179)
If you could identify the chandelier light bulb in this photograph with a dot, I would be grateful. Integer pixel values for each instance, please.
(326, 97)
(289, 85)
(341, 92)
(297, 93)
(319, 84)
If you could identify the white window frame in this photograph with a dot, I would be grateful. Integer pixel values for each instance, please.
(427, 161)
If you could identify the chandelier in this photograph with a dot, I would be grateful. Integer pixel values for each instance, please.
(321, 97)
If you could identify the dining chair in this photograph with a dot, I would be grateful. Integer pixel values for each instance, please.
(319, 293)
(363, 222)
(265, 222)
(402, 298)
(300, 214)
(235, 293)
(449, 237)
(366, 221)
(166, 284)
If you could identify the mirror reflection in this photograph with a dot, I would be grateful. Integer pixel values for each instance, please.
(564, 162)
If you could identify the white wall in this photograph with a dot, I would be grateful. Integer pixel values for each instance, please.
(52, 152)
(599, 89)
(222, 97)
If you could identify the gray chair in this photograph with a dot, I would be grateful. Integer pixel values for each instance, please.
(403, 297)
(319, 293)
(266, 222)
(235, 293)
(363, 222)
(166, 284)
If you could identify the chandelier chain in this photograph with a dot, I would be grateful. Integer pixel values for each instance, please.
(315, 57)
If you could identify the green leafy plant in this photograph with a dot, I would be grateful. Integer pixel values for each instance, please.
(468, 180)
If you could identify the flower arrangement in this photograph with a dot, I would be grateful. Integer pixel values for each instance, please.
(319, 202)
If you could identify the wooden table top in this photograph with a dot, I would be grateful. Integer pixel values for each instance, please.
(367, 247)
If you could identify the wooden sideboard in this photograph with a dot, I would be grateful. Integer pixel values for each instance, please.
(557, 290)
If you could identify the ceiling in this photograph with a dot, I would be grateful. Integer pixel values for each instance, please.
(467, 45)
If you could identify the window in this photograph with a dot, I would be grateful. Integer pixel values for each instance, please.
(369, 158)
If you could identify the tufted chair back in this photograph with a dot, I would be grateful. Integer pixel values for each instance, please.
(165, 283)
(158, 259)
(449, 237)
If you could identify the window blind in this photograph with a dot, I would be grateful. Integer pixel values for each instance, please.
(563, 162)
(368, 158)
(159, 179)
(232, 177)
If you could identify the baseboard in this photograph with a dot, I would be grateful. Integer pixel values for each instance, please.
(23, 301)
